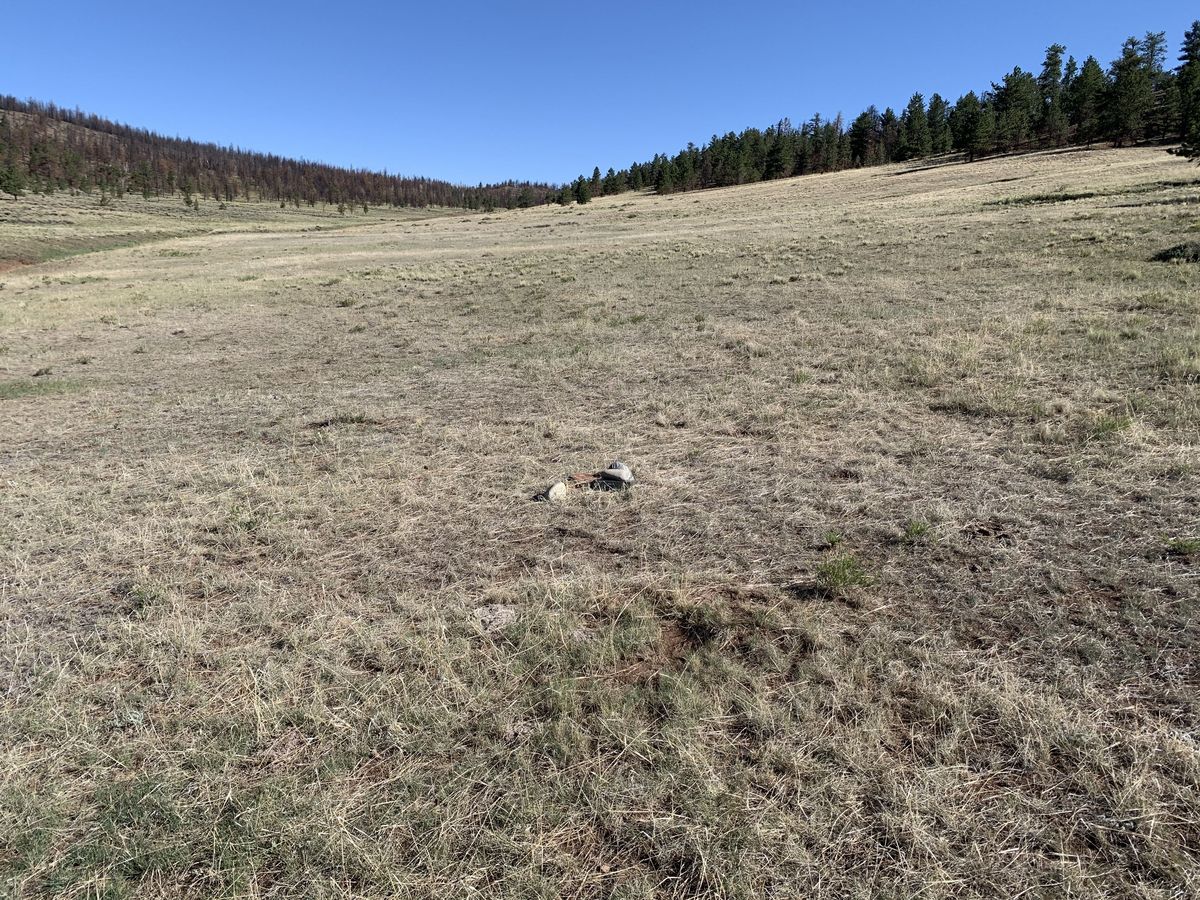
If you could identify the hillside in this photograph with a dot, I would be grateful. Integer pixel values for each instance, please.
(902, 604)
(55, 149)
(42, 227)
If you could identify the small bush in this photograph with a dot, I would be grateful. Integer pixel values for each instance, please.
(1185, 547)
(916, 530)
(839, 574)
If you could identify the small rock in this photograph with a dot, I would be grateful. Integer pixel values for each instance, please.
(179, 331)
(517, 731)
(556, 493)
(495, 616)
(615, 476)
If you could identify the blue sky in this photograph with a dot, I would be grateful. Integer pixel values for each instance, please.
(528, 90)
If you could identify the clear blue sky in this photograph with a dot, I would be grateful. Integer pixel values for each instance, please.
(528, 90)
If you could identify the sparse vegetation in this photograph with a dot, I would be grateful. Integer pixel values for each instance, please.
(840, 573)
(903, 603)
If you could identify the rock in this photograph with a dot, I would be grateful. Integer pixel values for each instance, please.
(556, 493)
(616, 476)
(495, 617)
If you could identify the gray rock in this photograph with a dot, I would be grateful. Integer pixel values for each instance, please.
(495, 617)
(615, 476)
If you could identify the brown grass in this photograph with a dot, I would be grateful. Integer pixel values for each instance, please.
(903, 603)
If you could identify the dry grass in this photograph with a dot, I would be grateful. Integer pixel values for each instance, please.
(904, 603)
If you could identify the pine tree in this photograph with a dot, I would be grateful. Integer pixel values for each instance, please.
(941, 140)
(915, 139)
(1086, 101)
(1052, 121)
(664, 181)
(866, 139)
(974, 126)
(889, 129)
(1130, 96)
(1189, 91)
(582, 190)
(1153, 48)
(1017, 103)
(1163, 116)
(781, 158)
(12, 180)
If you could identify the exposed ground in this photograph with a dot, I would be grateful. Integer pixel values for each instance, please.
(904, 603)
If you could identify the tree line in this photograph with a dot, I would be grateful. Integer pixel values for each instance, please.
(45, 148)
(1138, 97)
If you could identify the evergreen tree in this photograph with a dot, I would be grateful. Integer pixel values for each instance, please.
(974, 126)
(1153, 48)
(1162, 118)
(582, 190)
(12, 180)
(596, 184)
(781, 157)
(866, 139)
(1069, 76)
(889, 129)
(1052, 122)
(941, 140)
(915, 139)
(1189, 91)
(1130, 96)
(664, 182)
(1017, 105)
(1086, 101)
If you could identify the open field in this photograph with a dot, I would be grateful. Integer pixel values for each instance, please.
(904, 603)
(39, 229)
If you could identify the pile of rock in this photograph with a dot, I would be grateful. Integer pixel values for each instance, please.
(616, 476)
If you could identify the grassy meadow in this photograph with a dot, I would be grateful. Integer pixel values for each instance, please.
(904, 603)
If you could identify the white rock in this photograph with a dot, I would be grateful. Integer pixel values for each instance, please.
(617, 471)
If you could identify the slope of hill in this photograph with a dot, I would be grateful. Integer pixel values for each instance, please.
(59, 149)
(43, 227)
(903, 604)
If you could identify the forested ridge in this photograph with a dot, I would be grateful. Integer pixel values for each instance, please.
(1138, 97)
(46, 148)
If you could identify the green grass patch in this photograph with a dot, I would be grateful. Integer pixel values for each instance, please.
(841, 573)
(1185, 547)
(22, 388)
